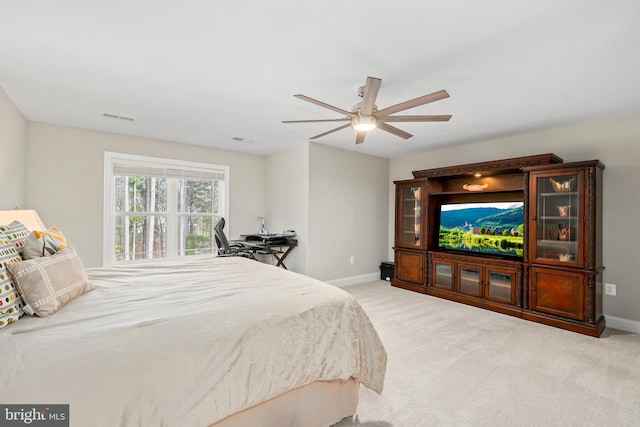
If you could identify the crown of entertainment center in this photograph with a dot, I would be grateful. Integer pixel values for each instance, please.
(554, 277)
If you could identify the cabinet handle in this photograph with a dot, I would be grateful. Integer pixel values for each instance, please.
(535, 218)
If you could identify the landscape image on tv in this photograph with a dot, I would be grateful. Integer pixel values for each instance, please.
(483, 227)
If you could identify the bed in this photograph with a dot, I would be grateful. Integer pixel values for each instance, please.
(210, 342)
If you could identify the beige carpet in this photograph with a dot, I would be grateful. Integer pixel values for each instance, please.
(456, 365)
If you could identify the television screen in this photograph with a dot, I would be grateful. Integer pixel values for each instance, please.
(486, 227)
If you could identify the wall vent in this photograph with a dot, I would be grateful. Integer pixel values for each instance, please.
(242, 139)
(117, 117)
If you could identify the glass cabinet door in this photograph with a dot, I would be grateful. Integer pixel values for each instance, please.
(443, 275)
(470, 280)
(500, 285)
(557, 218)
(410, 216)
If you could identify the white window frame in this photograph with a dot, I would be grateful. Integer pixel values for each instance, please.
(108, 219)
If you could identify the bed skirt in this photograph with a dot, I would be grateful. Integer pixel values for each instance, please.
(319, 404)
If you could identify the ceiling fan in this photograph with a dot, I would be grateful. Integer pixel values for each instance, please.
(365, 115)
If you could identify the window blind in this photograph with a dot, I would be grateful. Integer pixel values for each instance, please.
(151, 170)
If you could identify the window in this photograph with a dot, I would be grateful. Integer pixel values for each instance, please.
(159, 209)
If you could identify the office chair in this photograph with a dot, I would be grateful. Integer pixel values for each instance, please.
(230, 249)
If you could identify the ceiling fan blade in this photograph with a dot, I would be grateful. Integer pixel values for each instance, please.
(325, 105)
(428, 118)
(331, 131)
(346, 119)
(369, 95)
(394, 130)
(360, 137)
(421, 100)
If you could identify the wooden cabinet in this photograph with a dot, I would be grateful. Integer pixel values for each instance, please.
(554, 276)
(556, 229)
(410, 253)
(479, 281)
(565, 256)
(409, 214)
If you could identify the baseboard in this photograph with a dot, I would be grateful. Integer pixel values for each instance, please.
(354, 280)
(623, 324)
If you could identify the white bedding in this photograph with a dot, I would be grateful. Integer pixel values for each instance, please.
(187, 344)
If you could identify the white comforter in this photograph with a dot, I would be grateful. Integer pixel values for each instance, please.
(187, 344)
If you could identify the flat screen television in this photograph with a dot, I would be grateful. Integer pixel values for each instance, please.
(485, 227)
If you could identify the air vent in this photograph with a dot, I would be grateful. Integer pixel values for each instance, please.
(241, 139)
(117, 117)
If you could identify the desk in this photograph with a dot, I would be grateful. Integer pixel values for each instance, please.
(275, 249)
(272, 244)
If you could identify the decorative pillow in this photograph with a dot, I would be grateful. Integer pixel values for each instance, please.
(44, 243)
(48, 283)
(17, 233)
(10, 301)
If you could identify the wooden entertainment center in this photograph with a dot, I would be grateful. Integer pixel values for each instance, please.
(551, 275)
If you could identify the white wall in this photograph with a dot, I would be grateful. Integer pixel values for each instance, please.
(66, 173)
(616, 142)
(13, 142)
(287, 200)
(336, 200)
(348, 212)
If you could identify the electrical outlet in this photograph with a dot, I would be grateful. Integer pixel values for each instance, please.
(352, 259)
(610, 289)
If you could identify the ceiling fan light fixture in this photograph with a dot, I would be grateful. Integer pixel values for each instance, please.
(365, 115)
(364, 123)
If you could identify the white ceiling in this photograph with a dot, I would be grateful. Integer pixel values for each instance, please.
(203, 72)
